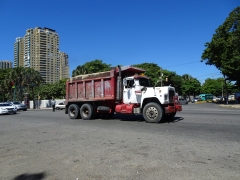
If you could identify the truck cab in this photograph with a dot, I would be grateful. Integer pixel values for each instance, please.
(132, 88)
(138, 92)
(137, 88)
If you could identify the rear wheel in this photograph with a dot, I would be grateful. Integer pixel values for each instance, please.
(152, 113)
(73, 111)
(86, 111)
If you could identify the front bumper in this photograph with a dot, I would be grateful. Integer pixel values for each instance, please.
(173, 109)
(11, 111)
(4, 112)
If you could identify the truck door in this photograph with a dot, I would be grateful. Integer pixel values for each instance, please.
(129, 95)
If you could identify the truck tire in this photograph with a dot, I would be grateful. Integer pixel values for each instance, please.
(73, 111)
(86, 111)
(152, 113)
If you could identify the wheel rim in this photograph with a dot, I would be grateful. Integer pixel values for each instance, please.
(72, 111)
(85, 112)
(152, 113)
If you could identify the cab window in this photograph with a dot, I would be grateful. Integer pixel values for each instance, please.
(144, 82)
(130, 83)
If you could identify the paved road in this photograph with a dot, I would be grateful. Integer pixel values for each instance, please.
(201, 143)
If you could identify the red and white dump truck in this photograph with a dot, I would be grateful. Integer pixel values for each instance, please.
(121, 90)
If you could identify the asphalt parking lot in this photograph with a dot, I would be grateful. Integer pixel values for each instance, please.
(201, 143)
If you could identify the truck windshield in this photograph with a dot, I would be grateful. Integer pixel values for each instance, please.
(144, 82)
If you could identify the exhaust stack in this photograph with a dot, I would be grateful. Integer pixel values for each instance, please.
(119, 85)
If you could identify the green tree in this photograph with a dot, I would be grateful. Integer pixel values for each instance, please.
(223, 51)
(153, 71)
(190, 85)
(22, 78)
(32, 80)
(79, 70)
(5, 86)
(161, 76)
(217, 87)
(91, 67)
(17, 75)
(171, 78)
(49, 91)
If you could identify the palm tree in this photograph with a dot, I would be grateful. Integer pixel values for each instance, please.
(32, 79)
(5, 86)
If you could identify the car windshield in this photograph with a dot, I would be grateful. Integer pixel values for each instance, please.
(16, 103)
(5, 104)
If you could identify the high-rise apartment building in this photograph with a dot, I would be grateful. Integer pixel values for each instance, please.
(5, 64)
(39, 49)
(19, 52)
(64, 68)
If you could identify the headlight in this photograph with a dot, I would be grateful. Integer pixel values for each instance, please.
(3, 109)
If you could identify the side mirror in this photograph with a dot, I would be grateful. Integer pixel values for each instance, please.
(144, 89)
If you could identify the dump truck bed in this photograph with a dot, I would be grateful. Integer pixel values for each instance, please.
(92, 87)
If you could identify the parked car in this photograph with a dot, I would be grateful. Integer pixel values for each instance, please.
(195, 100)
(214, 99)
(19, 105)
(183, 101)
(60, 106)
(7, 108)
(231, 97)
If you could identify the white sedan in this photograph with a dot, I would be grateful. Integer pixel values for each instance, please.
(7, 108)
(60, 106)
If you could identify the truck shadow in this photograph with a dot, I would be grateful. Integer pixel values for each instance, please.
(139, 118)
(174, 120)
(35, 176)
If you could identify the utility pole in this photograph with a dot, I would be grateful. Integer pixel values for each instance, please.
(226, 97)
(222, 89)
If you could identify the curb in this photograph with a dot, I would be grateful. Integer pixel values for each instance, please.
(40, 109)
(200, 102)
(229, 106)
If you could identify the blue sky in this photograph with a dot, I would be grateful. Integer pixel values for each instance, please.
(170, 33)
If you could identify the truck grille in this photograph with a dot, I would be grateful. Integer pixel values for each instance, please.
(171, 95)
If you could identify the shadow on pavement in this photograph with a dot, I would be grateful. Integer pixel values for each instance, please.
(36, 176)
(138, 118)
(174, 120)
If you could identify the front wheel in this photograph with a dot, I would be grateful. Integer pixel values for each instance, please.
(152, 113)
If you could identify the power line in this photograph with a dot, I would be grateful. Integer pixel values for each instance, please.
(182, 64)
(216, 73)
